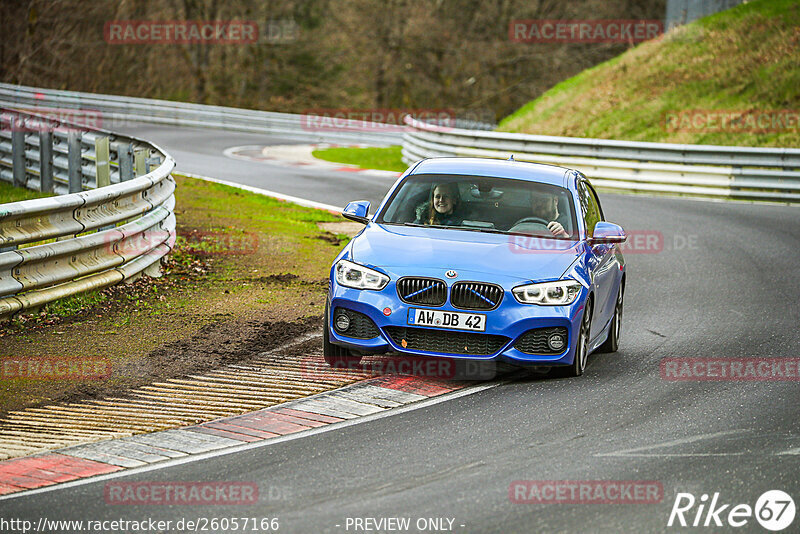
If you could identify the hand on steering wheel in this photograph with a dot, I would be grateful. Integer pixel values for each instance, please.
(532, 219)
(554, 227)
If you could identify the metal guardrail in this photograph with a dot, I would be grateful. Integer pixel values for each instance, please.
(771, 174)
(112, 110)
(83, 240)
(64, 159)
(703, 170)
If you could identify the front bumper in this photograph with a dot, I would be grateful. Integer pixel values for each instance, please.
(510, 320)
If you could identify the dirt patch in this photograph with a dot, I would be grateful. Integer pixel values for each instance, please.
(248, 274)
(282, 278)
(330, 239)
(347, 228)
(226, 342)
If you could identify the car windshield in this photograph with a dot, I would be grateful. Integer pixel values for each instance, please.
(478, 203)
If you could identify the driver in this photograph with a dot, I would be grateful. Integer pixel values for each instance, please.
(545, 206)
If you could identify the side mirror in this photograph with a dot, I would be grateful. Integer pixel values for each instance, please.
(357, 211)
(606, 232)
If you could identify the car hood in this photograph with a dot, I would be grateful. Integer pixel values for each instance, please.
(405, 250)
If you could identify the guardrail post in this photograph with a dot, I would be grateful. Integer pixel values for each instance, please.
(67, 265)
(74, 159)
(140, 162)
(153, 270)
(154, 162)
(125, 153)
(46, 161)
(102, 170)
(18, 156)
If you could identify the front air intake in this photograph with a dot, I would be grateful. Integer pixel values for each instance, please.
(422, 291)
(475, 296)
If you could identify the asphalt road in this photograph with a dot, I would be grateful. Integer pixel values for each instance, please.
(723, 285)
(200, 152)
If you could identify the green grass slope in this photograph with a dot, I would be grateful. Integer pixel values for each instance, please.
(742, 64)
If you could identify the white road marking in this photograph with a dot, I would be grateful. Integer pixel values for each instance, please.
(638, 451)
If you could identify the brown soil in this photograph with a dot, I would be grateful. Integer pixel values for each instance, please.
(208, 310)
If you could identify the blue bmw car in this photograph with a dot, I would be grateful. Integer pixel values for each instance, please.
(479, 259)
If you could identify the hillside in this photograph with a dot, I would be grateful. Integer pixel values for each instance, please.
(729, 79)
(347, 55)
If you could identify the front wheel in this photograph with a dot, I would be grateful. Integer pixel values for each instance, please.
(611, 344)
(582, 348)
(336, 356)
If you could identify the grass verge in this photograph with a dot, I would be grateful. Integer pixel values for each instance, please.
(248, 272)
(383, 158)
(742, 62)
(9, 193)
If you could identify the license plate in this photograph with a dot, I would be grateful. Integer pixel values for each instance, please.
(446, 319)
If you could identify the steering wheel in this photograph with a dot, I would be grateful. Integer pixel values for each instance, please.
(531, 220)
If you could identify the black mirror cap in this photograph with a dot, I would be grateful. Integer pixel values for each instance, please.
(356, 218)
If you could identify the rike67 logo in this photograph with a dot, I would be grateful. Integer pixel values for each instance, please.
(774, 510)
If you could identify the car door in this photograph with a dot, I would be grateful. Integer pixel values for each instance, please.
(602, 261)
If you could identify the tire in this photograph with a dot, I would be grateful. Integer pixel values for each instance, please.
(336, 356)
(581, 352)
(611, 344)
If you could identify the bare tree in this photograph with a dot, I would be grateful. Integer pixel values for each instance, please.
(347, 53)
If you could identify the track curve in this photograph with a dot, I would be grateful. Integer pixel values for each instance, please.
(723, 284)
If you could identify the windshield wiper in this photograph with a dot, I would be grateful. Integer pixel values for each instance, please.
(486, 230)
(560, 238)
(415, 225)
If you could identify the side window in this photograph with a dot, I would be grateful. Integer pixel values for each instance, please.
(593, 196)
(590, 207)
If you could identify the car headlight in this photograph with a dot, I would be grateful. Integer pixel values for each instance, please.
(557, 293)
(357, 276)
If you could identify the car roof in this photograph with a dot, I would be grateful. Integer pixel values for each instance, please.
(519, 170)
